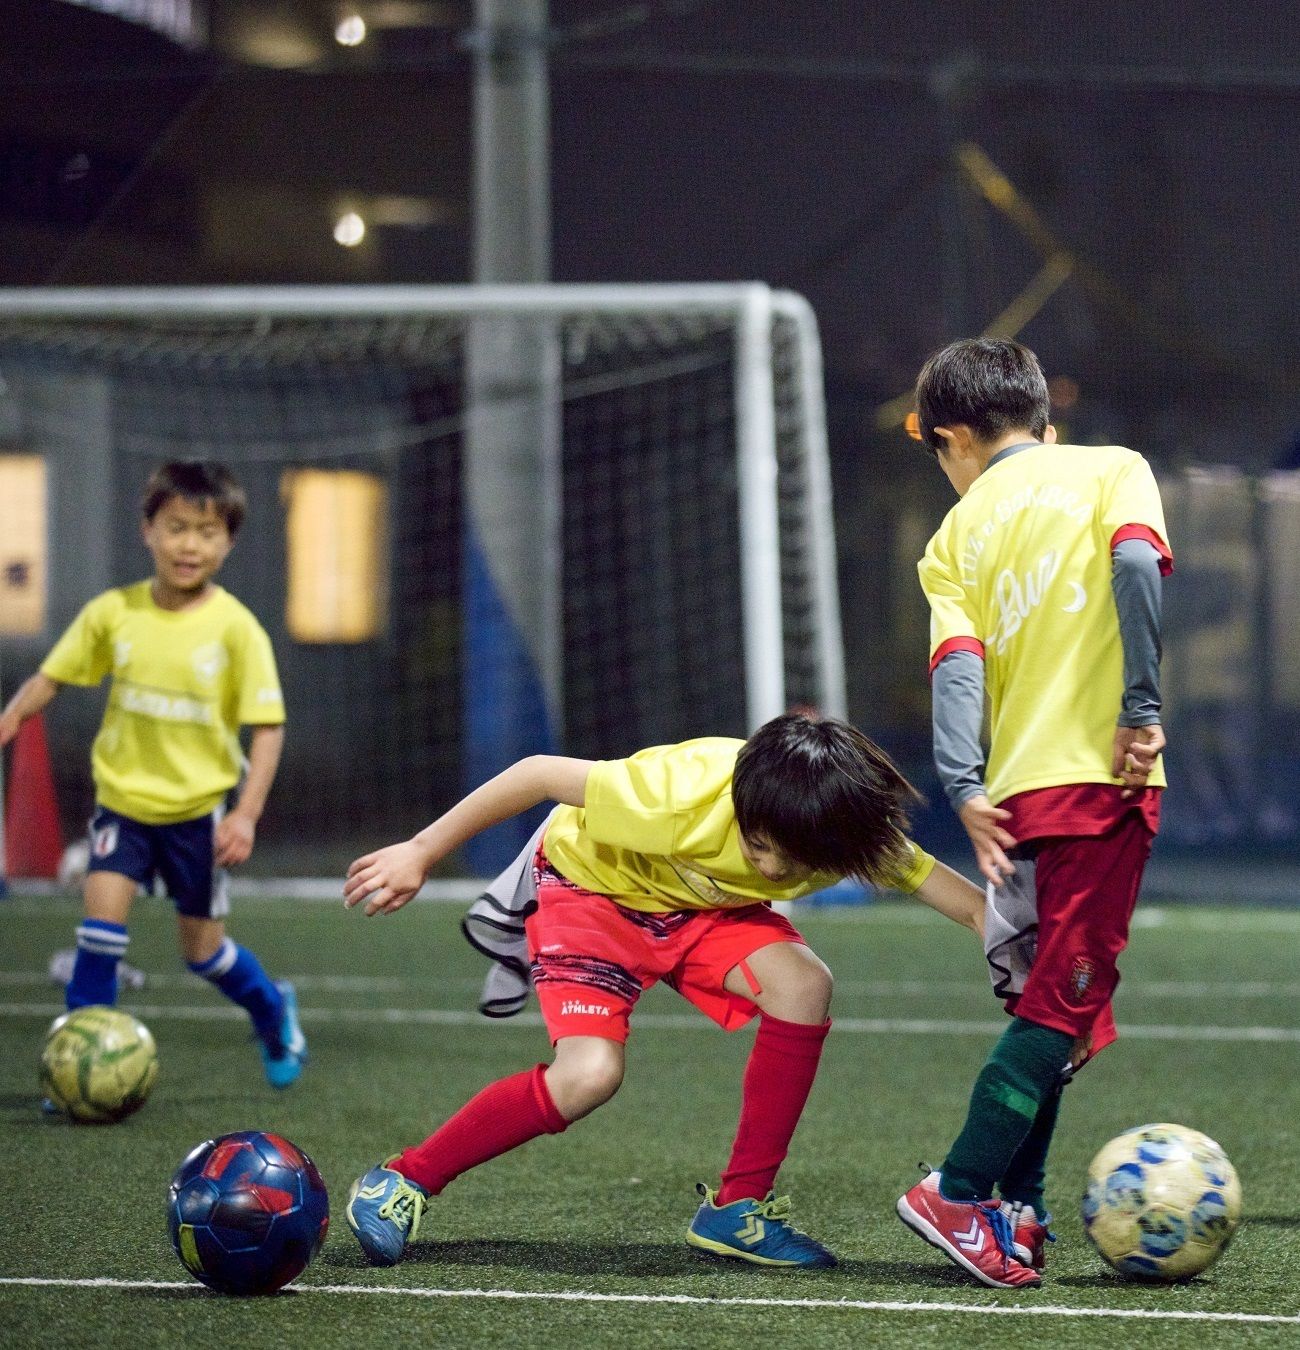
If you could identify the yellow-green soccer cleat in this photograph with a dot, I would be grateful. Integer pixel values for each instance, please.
(759, 1231)
(384, 1211)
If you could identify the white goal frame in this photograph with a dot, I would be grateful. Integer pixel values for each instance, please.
(754, 310)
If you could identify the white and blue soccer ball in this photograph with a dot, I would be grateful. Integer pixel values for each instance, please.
(1162, 1202)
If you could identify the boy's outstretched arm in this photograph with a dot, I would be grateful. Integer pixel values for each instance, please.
(33, 695)
(388, 878)
(954, 897)
(237, 830)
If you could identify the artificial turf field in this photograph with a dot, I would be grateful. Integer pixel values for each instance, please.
(577, 1240)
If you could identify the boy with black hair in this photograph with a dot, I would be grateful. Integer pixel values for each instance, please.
(1044, 590)
(662, 866)
(189, 666)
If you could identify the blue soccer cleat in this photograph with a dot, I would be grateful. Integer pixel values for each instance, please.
(284, 1068)
(759, 1231)
(384, 1211)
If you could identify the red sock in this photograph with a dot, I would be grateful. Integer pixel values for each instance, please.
(778, 1078)
(504, 1115)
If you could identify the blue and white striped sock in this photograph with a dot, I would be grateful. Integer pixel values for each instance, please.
(100, 946)
(239, 975)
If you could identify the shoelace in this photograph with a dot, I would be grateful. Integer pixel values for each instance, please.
(776, 1209)
(406, 1207)
(1002, 1232)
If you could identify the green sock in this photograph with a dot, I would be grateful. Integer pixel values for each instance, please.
(1022, 1183)
(1017, 1077)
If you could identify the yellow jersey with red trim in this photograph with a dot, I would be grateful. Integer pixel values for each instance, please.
(658, 833)
(183, 682)
(1020, 572)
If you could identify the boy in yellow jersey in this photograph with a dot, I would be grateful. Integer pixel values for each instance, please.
(663, 866)
(1044, 591)
(189, 666)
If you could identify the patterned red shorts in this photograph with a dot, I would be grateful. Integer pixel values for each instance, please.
(1087, 889)
(591, 958)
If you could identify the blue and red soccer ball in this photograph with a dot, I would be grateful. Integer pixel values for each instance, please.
(247, 1212)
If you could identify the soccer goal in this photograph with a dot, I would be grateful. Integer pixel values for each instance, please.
(482, 521)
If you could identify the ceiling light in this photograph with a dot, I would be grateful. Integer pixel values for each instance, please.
(349, 230)
(351, 31)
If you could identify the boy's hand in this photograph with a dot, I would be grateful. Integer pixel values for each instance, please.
(9, 724)
(990, 841)
(386, 880)
(1134, 755)
(234, 839)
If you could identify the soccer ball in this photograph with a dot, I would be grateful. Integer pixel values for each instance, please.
(98, 1064)
(247, 1212)
(1162, 1202)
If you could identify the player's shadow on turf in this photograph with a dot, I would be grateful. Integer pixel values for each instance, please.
(560, 1258)
(632, 1258)
(21, 1108)
(1114, 1282)
(1272, 1220)
(910, 1273)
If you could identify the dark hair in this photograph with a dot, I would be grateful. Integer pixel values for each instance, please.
(197, 481)
(825, 795)
(992, 385)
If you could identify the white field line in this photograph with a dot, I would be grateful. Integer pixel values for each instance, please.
(697, 1301)
(1134, 990)
(870, 1026)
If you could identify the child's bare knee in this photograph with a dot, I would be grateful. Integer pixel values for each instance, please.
(798, 987)
(816, 988)
(583, 1078)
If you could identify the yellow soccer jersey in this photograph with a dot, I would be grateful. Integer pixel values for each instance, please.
(184, 681)
(1020, 570)
(659, 833)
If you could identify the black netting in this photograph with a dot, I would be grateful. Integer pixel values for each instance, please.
(651, 586)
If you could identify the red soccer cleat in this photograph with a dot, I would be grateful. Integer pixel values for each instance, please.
(1031, 1234)
(974, 1235)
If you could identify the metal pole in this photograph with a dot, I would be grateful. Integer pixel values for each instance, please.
(951, 84)
(513, 647)
(512, 141)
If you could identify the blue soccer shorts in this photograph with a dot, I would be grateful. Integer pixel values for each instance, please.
(182, 855)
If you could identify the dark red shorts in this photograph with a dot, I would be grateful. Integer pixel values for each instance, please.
(591, 958)
(1086, 892)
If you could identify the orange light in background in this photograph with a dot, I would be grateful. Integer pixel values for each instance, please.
(336, 537)
(912, 425)
(24, 529)
(1063, 391)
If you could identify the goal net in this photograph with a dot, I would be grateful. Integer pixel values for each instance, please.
(482, 521)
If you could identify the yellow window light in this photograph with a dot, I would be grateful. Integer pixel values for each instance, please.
(337, 554)
(24, 527)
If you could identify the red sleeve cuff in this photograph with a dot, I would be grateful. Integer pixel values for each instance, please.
(956, 644)
(1146, 532)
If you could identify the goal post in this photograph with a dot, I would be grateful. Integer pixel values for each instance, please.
(673, 570)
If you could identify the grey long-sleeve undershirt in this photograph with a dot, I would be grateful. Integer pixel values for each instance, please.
(958, 683)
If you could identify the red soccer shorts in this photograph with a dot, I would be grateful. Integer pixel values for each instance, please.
(591, 958)
(1086, 892)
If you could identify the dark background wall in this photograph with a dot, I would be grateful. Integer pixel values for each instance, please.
(810, 146)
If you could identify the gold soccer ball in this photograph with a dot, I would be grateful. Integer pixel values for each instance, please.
(98, 1064)
(1162, 1202)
